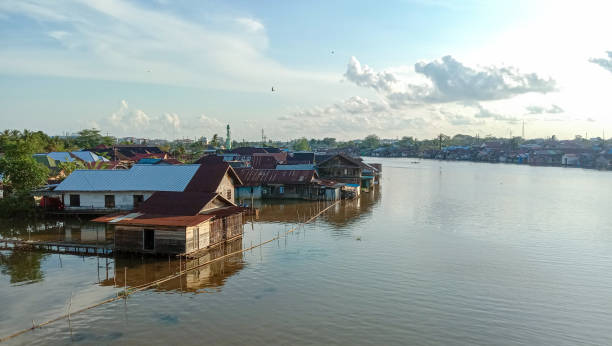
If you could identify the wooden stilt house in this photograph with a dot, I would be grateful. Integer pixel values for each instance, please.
(176, 223)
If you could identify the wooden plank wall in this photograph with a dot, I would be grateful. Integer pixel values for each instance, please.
(233, 225)
(217, 233)
(128, 238)
(172, 242)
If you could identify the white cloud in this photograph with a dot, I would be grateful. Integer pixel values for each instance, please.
(250, 24)
(128, 121)
(448, 80)
(125, 118)
(58, 34)
(210, 124)
(366, 77)
(605, 63)
(553, 109)
(116, 40)
(173, 120)
(484, 113)
(354, 116)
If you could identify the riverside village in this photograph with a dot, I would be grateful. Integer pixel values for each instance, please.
(162, 201)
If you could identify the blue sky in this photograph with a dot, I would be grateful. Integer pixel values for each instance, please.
(186, 68)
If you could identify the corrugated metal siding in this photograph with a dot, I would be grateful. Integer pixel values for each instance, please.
(302, 167)
(138, 178)
(255, 177)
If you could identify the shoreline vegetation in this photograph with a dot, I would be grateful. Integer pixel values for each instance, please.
(21, 173)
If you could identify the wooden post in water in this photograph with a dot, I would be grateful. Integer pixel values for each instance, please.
(180, 275)
(125, 284)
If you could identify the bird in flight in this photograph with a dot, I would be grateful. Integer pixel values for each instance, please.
(273, 90)
(332, 52)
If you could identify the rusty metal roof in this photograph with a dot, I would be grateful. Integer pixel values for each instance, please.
(255, 177)
(264, 162)
(139, 219)
(176, 203)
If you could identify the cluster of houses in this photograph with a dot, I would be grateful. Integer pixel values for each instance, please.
(104, 157)
(557, 153)
(160, 207)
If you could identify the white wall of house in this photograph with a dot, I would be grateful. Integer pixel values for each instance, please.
(123, 200)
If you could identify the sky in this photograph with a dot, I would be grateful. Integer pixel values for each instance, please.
(342, 69)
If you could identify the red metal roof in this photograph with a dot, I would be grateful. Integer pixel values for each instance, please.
(280, 156)
(208, 177)
(264, 162)
(176, 203)
(222, 212)
(254, 177)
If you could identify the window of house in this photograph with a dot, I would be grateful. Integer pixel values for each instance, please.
(345, 171)
(75, 200)
(109, 201)
(138, 199)
(229, 194)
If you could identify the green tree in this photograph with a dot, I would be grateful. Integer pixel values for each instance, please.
(215, 140)
(301, 145)
(371, 142)
(21, 172)
(89, 138)
(329, 141)
(407, 142)
(69, 167)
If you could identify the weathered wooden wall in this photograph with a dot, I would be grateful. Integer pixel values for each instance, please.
(128, 238)
(233, 225)
(171, 242)
(167, 241)
(217, 233)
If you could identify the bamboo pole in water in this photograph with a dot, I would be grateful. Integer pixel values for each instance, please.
(156, 282)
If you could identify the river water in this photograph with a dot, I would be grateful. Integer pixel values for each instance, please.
(442, 253)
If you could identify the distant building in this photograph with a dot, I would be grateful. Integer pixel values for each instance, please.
(570, 160)
(341, 168)
(284, 184)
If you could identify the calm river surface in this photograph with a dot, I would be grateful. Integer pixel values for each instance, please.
(444, 253)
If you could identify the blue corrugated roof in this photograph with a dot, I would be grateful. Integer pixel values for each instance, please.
(300, 167)
(57, 156)
(138, 178)
(63, 156)
(148, 161)
(88, 156)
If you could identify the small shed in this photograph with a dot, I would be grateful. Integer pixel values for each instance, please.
(176, 223)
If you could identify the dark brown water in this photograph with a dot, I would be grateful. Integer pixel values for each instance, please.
(444, 253)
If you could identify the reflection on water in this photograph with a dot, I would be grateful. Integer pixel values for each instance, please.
(22, 267)
(455, 253)
(141, 270)
(48, 280)
(341, 215)
(70, 230)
